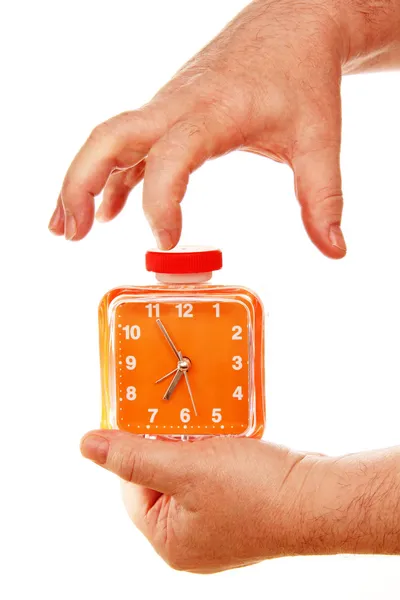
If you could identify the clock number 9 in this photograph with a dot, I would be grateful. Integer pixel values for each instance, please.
(237, 363)
(131, 332)
(131, 393)
(130, 363)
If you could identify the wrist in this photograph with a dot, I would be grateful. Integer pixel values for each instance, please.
(372, 30)
(352, 505)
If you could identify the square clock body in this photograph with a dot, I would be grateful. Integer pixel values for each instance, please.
(183, 359)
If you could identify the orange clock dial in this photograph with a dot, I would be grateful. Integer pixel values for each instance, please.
(182, 366)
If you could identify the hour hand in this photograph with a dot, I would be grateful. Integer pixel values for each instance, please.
(173, 385)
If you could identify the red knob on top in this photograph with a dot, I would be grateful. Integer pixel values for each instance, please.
(184, 259)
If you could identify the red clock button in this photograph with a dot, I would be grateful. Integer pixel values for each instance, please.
(184, 259)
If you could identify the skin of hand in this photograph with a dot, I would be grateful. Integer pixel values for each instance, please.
(269, 83)
(223, 503)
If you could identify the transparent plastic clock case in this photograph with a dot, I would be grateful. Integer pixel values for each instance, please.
(183, 358)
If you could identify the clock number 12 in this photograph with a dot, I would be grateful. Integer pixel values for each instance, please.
(184, 310)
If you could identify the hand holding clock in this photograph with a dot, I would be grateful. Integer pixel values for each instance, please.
(223, 503)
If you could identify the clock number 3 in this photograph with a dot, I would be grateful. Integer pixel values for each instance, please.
(237, 363)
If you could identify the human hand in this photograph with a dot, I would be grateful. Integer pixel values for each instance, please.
(222, 503)
(269, 84)
(209, 505)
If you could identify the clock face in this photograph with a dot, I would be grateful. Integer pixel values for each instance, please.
(182, 366)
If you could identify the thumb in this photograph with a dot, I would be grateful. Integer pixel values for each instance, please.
(319, 191)
(159, 465)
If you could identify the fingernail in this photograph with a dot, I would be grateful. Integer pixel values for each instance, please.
(164, 239)
(70, 226)
(95, 448)
(100, 215)
(336, 237)
(55, 219)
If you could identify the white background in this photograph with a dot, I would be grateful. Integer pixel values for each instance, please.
(333, 332)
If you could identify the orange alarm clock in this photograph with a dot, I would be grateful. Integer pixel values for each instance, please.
(183, 358)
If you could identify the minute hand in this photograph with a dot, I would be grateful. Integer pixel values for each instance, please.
(167, 337)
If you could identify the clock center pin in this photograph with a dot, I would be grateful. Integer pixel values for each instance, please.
(184, 364)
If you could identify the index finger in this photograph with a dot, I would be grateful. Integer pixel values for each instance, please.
(119, 143)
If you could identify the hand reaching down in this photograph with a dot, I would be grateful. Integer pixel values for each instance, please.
(269, 83)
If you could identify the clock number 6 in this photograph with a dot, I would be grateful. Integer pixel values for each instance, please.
(185, 415)
(237, 363)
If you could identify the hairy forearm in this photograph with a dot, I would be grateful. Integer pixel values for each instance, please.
(373, 34)
(352, 505)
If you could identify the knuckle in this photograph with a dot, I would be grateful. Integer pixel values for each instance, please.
(128, 463)
(177, 146)
(328, 201)
(129, 120)
(175, 141)
(122, 125)
(186, 129)
(143, 124)
(101, 131)
(166, 150)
